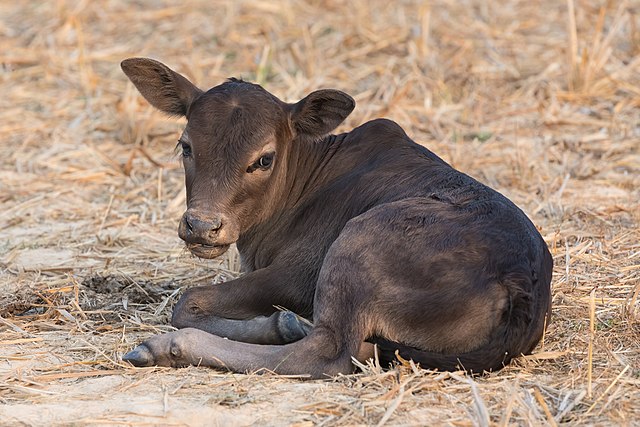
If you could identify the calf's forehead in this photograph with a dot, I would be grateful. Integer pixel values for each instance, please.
(234, 112)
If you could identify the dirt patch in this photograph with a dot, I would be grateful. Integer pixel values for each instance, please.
(18, 300)
(109, 298)
(38, 259)
(106, 291)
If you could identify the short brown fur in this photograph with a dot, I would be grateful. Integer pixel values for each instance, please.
(369, 234)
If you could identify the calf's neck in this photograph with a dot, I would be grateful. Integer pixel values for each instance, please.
(370, 236)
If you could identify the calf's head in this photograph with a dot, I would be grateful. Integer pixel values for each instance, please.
(235, 148)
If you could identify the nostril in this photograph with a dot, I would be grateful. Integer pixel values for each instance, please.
(188, 223)
(216, 224)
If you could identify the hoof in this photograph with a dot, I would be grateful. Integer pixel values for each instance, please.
(291, 327)
(139, 357)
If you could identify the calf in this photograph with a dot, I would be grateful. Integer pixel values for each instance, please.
(369, 234)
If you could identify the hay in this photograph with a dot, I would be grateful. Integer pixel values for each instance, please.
(540, 100)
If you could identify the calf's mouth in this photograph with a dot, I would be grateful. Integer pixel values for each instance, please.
(207, 251)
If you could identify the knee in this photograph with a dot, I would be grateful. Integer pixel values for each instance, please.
(314, 356)
(342, 365)
(187, 310)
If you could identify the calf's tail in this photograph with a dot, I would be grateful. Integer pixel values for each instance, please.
(522, 326)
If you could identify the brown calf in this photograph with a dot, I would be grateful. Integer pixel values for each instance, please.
(369, 234)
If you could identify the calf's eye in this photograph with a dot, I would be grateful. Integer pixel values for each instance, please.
(186, 149)
(265, 161)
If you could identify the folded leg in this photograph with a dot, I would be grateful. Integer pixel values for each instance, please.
(281, 327)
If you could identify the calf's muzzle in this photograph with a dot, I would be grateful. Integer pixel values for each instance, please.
(197, 228)
(205, 236)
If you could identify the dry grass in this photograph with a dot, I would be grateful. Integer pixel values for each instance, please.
(540, 100)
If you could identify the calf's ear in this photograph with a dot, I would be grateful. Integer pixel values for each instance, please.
(165, 89)
(320, 112)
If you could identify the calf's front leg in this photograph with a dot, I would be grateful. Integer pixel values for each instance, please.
(281, 327)
(243, 309)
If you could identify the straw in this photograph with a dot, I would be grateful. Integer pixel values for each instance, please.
(540, 100)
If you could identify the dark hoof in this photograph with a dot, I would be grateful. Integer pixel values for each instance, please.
(291, 327)
(139, 356)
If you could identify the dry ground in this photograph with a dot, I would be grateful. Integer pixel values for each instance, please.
(540, 100)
